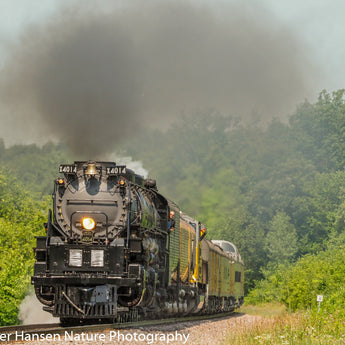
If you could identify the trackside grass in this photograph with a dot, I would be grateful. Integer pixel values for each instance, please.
(271, 324)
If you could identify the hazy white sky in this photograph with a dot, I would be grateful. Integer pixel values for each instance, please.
(321, 25)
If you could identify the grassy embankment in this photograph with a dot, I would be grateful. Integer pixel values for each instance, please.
(272, 324)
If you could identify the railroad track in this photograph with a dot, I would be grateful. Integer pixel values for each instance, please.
(44, 331)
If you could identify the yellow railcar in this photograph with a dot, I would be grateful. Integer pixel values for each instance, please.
(212, 269)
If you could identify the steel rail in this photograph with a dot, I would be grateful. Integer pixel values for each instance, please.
(10, 332)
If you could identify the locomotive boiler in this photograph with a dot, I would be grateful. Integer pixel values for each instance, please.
(116, 249)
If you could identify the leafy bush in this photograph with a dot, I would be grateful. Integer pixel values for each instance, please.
(21, 219)
(298, 285)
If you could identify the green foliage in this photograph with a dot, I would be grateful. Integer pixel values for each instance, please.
(319, 131)
(35, 167)
(298, 285)
(281, 239)
(238, 228)
(268, 289)
(21, 219)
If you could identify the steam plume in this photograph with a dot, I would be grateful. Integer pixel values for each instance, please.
(31, 312)
(93, 77)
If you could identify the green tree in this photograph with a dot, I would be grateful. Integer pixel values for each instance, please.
(240, 229)
(36, 167)
(21, 219)
(281, 240)
(319, 131)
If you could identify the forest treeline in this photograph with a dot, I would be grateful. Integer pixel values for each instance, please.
(274, 189)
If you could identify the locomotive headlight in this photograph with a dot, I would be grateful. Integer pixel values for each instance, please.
(88, 223)
(61, 181)
(97, 258)
(75, 257)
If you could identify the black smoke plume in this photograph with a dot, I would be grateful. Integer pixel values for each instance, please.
(92, 77)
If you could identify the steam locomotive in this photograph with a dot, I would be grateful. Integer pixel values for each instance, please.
(117, 250)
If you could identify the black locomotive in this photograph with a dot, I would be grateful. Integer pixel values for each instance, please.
(116, 249)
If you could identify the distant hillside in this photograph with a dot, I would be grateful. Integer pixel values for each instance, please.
(35, 167)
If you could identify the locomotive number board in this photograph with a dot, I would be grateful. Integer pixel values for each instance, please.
(68, 169)
(118, 170)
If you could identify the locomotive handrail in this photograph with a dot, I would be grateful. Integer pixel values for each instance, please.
(50, 224)
(129, 215)
(91, 212)
(91, 201)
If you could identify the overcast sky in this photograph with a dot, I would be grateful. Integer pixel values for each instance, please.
(318, 24)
